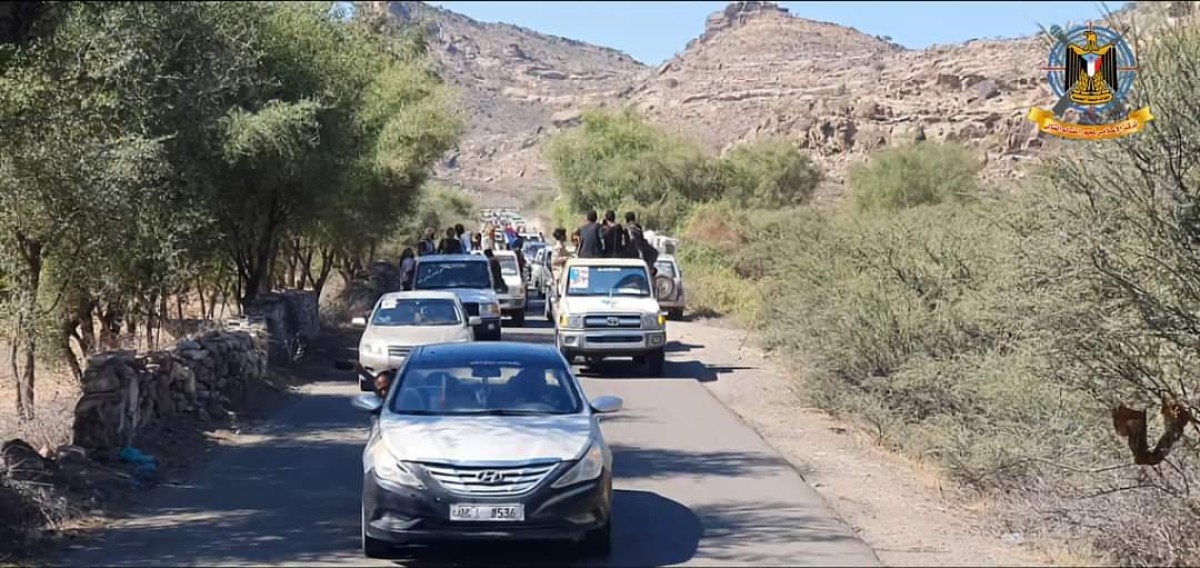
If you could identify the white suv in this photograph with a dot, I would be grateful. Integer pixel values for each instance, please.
(605, 307)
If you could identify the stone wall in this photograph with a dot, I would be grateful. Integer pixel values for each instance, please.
(204, 377)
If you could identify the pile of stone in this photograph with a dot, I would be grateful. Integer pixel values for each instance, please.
(204, 377)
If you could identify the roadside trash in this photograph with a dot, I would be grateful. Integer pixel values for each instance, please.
(133, 455)
(146, 473)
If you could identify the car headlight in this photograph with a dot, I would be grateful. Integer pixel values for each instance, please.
(489, 309)
(389, 470)
(566, 321)
(653, 321)
(372, 348)
(588, 468)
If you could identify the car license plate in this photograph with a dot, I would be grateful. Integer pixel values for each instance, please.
(487, 512)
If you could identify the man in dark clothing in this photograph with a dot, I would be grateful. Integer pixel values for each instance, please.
(497, 270)
(451, 244)
(638, 247)
(615, 238)
(590, 242)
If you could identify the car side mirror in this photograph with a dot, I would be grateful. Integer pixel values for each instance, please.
(474, 321)
(606, 404)
(369, 403)
(359, 322)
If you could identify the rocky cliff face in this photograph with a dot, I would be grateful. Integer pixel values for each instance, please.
(759, 71)
(756, 71)
(517, 86)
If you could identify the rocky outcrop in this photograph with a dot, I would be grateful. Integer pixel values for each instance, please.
(734, 15)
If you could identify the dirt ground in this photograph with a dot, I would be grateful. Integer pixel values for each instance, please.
(906, 511)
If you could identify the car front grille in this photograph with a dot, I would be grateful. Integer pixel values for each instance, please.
(489, 481)
(472, 308)
(399, 350)
(613, 321)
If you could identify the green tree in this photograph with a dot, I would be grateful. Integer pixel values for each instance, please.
(771, 173)
(149, 147)
(615, 159)
(912, 175)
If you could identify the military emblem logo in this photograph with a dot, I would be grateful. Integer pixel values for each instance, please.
(1091, 71)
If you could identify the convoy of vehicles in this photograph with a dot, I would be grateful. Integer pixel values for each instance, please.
(496, 440)
(486, 442)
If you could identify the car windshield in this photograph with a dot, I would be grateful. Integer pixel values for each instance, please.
(409, 312)
(665, 268)
(508, 265)
(434, 275)
(485, 387)
(607, 281)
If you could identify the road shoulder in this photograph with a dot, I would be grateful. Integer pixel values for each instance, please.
(903, 511)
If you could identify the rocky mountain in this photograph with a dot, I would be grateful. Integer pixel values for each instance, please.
(517, 86)
(759, 71)
(756, 71)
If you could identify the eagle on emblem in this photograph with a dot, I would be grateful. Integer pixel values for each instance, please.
(1091, 71)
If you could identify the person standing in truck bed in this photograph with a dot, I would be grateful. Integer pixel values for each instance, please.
(591, 244)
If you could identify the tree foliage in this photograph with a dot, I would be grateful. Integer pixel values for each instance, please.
(917, 174)
(615, 160)
(154, 148)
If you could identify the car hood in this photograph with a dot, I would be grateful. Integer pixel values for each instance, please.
(417, 335)
(474, 295)
(605, 304)
(465, 439)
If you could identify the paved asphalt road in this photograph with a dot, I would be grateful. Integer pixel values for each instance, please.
(693, 486)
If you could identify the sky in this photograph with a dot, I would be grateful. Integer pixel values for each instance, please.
(653, 32)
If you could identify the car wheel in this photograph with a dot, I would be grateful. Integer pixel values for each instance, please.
(654, 363)
(518, 318)
(598, 543)
(675, 313)
(373, 548)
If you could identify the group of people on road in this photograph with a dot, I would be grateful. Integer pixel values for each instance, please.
(457, 240)
(605, 238)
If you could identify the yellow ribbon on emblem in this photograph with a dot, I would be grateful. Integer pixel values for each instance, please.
(1133, 123)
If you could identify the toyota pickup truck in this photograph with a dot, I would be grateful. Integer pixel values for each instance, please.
(605, 307)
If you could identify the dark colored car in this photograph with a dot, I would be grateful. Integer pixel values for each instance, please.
(486, 441)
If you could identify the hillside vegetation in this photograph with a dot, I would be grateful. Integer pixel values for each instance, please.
(153, 152)
(1012, 339)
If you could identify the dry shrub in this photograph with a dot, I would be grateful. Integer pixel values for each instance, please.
(716, 227)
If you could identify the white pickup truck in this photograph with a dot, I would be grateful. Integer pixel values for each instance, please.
(605, 307)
